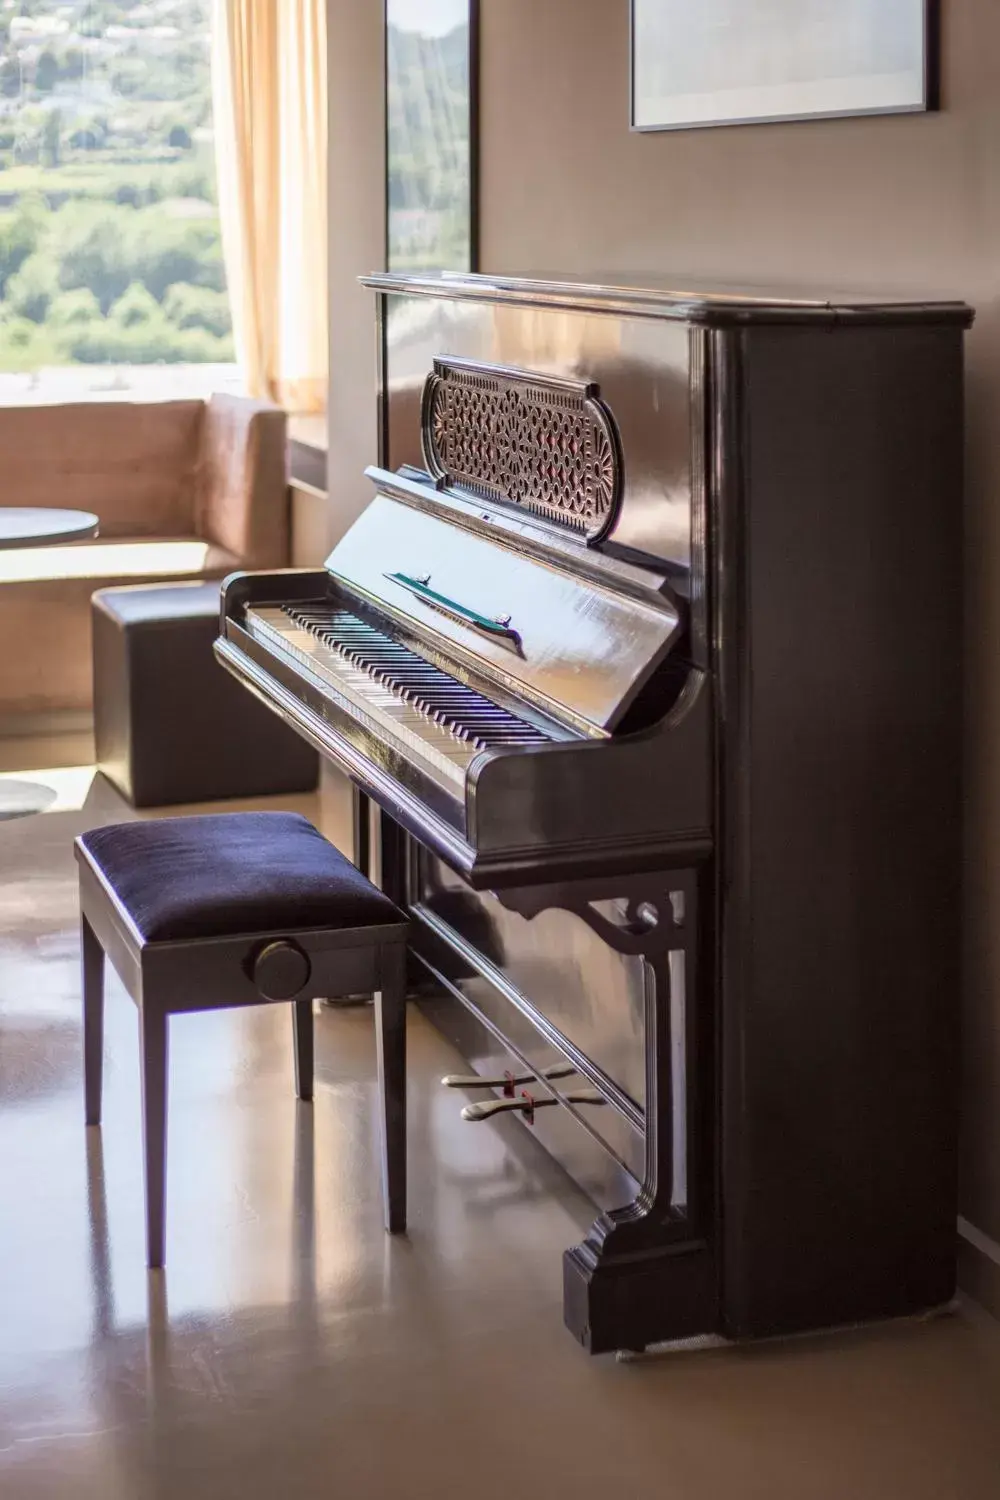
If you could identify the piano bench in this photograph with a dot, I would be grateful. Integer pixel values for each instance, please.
(170, 724)
(205, 913)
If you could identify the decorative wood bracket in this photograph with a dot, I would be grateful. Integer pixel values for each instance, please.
(632, 1254)
(652, 921)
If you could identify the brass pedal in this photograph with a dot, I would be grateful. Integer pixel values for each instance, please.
(508, 1082)
(525, 1104)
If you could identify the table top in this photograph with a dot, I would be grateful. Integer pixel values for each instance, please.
(40, 526)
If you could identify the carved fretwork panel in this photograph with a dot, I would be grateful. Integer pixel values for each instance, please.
(538, 441)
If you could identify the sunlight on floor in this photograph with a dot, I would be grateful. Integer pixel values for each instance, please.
(60, 789)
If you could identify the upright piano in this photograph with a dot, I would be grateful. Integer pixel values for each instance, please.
(645, 659)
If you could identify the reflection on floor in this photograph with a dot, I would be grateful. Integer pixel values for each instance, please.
(291, 1350)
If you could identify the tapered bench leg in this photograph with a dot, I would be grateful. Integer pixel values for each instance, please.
(153, 1025)
(390, 1025)
(93, 1021)
(302, 1024)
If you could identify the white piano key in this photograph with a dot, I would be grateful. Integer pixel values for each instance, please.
(400, 721)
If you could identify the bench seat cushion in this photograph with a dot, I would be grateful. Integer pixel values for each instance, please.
(232, 873)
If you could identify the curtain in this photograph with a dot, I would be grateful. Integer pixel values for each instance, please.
(269, 87)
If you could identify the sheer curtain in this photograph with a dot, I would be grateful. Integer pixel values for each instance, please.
(269, 86)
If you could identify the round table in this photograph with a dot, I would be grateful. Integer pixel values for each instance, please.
(38, 526)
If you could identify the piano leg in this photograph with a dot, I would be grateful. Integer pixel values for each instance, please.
(393, 859)
(390, 1033)
(645, 1274)
(362, 855)
(361, 807)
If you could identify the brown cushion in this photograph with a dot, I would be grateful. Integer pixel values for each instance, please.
(133, 462)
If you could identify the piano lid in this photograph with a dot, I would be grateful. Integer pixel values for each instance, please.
(577, 648)
(678, 299)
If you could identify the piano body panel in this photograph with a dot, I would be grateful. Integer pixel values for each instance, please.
(591, 996)
(561, 1133)
(655, 790)
(648, 372)
(522, 1015)
(840, 878)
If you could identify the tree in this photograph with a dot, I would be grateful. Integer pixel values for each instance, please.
(19, 332)
(18, 238)
(52, 137)
(46, 71)
(89, 137)
(73, 63)
(10, 77)
(70, 309)
(94, 253)
(135, 305)
(32, 289)
(188, 306)
(168, 250)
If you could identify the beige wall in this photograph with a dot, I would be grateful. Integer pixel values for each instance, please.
(357, 245)
(899, 205)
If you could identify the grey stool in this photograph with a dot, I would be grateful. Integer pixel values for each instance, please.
(239, 909)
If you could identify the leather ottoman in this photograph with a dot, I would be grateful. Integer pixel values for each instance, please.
(170, 724)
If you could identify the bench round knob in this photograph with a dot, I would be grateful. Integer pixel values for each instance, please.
(281, 970)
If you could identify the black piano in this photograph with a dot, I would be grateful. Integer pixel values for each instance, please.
(645, 661)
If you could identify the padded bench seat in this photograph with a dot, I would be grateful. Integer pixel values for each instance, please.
(225, 873)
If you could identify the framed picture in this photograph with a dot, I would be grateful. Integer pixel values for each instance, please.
(431, 54)
(728, 62)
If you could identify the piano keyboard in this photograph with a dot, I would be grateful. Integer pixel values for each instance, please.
(433, 717)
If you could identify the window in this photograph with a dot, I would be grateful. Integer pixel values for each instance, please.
(111, 273)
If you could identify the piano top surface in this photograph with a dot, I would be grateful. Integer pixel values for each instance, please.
(679, 298)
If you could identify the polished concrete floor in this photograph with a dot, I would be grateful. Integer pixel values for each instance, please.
(290, 1349)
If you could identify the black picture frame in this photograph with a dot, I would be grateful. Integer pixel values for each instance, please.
(403, 253)
(926, 77)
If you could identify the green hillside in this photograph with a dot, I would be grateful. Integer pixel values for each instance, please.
(428, 138)
(109, 234)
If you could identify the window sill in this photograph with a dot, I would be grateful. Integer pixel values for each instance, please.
(74, 383)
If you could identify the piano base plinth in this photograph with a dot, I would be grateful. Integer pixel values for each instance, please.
(615, 1302)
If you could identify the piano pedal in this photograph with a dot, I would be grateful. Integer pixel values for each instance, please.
(508, 1082)
(525, 1104)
